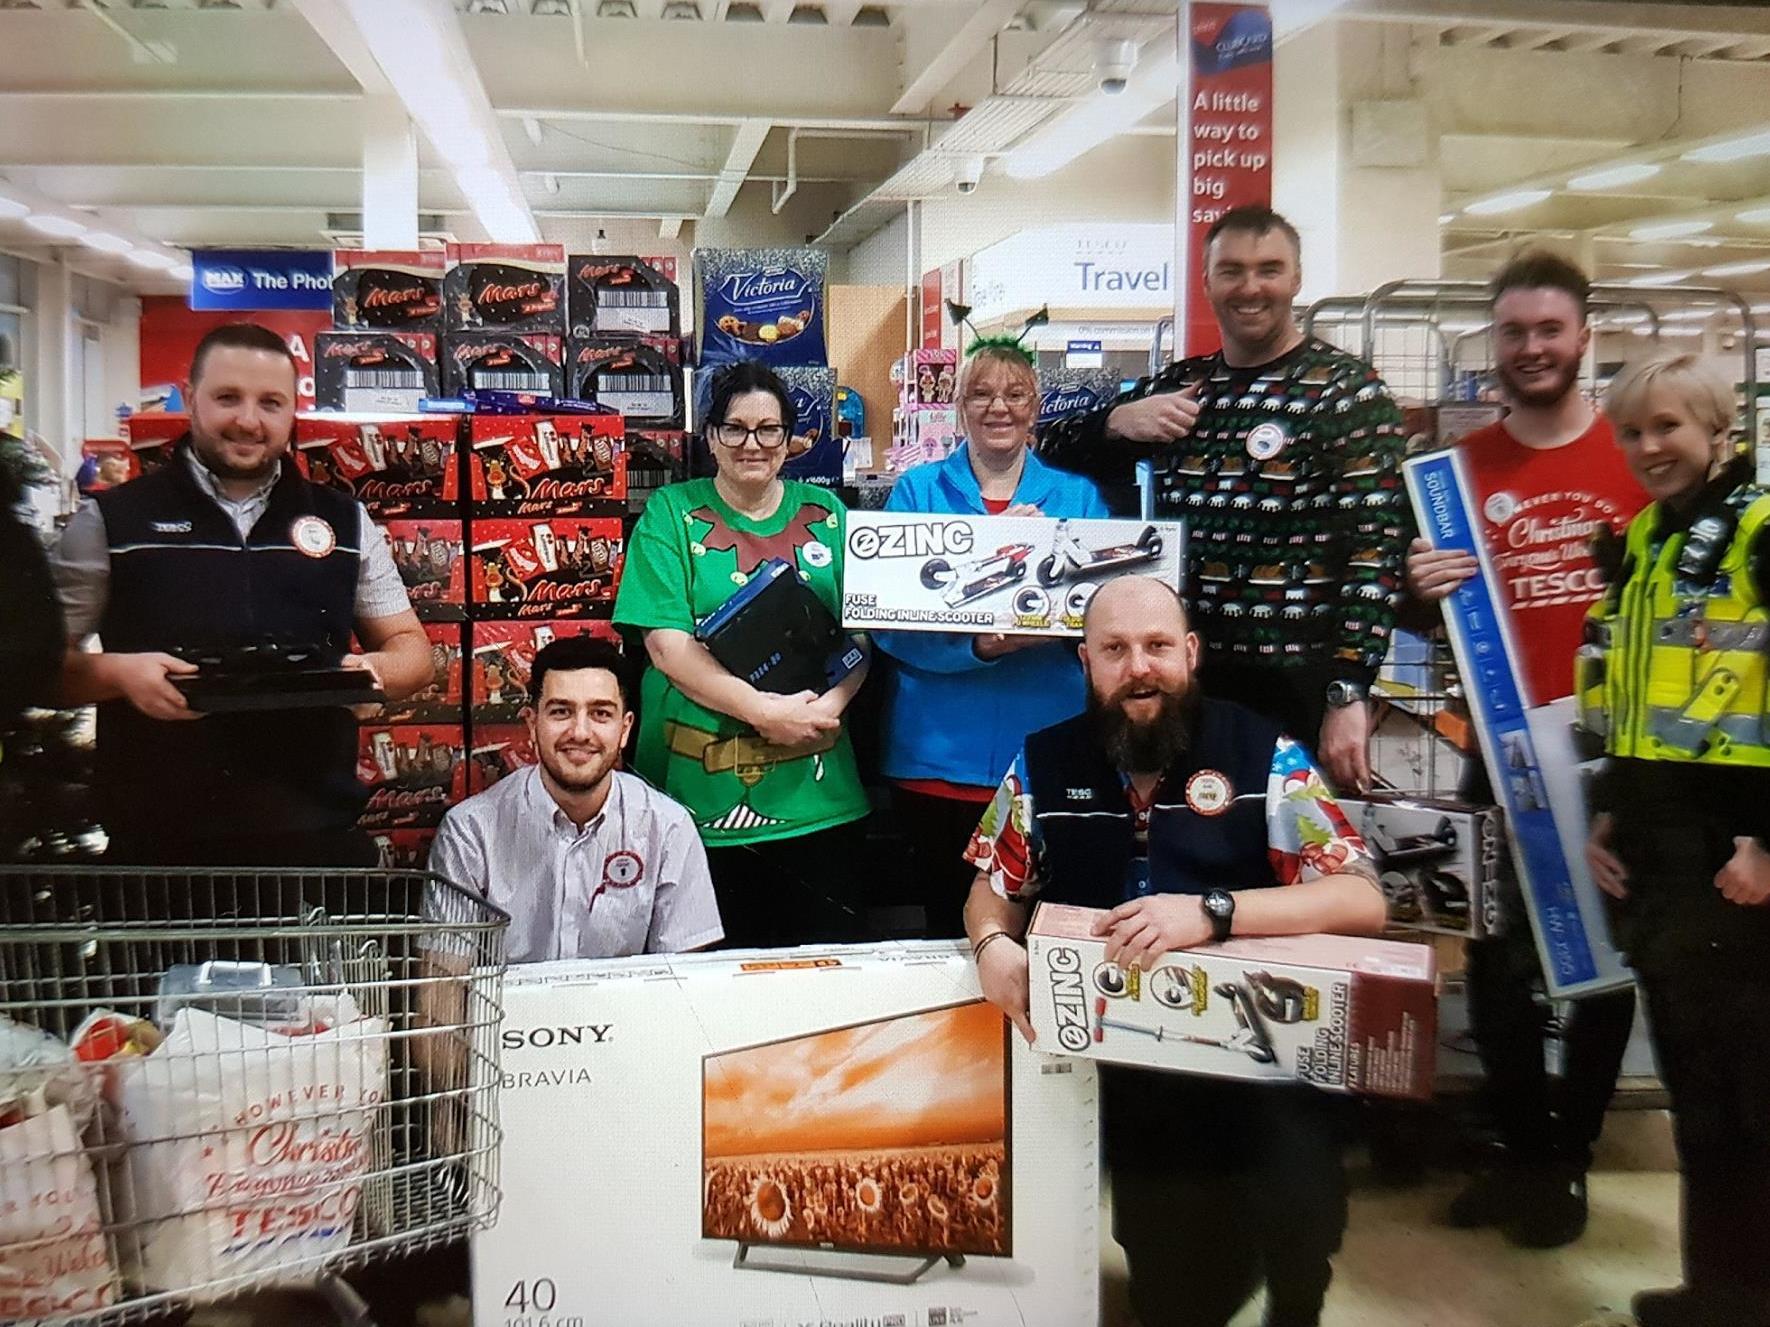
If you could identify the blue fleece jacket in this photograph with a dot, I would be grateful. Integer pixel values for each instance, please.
(948, 714)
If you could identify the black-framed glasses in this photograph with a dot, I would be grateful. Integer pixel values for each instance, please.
(768, 436)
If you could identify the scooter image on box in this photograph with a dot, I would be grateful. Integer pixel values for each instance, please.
(1411, 878)
(1250, 1039)
(1069, 558)
(973, 580)
(1282, 999)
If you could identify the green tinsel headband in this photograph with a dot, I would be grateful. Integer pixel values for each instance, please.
(961, 314)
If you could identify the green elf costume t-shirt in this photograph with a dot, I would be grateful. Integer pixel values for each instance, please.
(690, 552)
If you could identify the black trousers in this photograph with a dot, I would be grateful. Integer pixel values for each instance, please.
(1203, 1232)
(803, 890)
(1539, 1120)
(1711, 1026)
(936, 831)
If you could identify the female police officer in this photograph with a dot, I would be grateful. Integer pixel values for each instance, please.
(1675, 677)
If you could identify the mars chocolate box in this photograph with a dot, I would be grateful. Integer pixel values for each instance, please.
(369, 372)
(546, 465)
(403, 849)
(499, 749)
(431, 562)
(1345, 1013)
(441, 699)
(504, 652)
(387, 290)
(503, 361)
(562, 566)
(395, 466)
(414, 774)
(620, 296)
(641, 379)
(505, 288)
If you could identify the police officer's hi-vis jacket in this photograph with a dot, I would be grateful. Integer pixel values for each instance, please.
(1677, 664)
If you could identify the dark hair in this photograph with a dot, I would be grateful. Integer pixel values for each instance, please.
(1257, 220)
(1541, 270)
(747, 375)
(241, 336)
(567, 654)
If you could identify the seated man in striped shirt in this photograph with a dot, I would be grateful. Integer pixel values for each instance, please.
(588, 861)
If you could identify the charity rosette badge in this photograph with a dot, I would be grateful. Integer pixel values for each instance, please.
(1031, 575)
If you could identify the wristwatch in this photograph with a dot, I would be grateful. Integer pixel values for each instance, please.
(1219, 906)
(1341, 694)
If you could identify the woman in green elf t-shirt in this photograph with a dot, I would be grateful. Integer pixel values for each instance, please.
(770, 780)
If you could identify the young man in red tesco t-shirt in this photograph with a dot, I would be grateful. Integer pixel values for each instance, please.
(1547, 478)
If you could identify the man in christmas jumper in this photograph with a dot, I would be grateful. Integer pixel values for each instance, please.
(1283, 456)
(1549, 478)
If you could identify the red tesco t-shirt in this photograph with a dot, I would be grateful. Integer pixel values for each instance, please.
(1539, 510)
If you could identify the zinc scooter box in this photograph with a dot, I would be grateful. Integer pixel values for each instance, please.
(1034, 575)
(1346, 1013)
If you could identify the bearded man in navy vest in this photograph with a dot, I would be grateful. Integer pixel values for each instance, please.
(1190, 820)
(227, 546)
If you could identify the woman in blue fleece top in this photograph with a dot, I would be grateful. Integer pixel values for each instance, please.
(958, 707)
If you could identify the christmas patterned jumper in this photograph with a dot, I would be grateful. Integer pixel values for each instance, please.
(1290, 488)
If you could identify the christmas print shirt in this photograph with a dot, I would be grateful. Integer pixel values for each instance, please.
(1290, 487)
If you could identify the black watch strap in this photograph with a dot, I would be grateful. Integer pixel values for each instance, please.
(1219, 906)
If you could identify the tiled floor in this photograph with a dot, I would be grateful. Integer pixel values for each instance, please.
(1400, 1268)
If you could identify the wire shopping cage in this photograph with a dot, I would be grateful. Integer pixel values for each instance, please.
(214, 1082)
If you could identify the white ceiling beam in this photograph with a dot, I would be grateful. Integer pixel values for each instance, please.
(744, 147)
(419, 53)
(728, 118)
(841, 12)
(669, 228)
(1622, 17)
(969, 41)
(1536, 40)
(776, 11)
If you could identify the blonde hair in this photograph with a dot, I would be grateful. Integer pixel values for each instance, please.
(1012, 360)
(1704, 390)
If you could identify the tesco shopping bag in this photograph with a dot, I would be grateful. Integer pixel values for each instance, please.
(53, 1256)
(248, 1146)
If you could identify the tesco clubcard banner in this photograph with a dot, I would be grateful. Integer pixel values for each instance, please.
(1536, 770)
(772, 1138)
(1229, 136)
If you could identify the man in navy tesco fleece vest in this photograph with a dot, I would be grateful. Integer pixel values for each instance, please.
(1191, 820)
(228, 545)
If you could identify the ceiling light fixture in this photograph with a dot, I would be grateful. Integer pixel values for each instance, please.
(1516, 201)
(1445, 218)
(1756, 216)
(11, 208)
(1749, 267)
(1616, 176)
(1095, 119)
(1670, 230)
(552, 9)
(105, 242)
(55, 225)
(1659, 279)
(153, 260)
(1734, 149)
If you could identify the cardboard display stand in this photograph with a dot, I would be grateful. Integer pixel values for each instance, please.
(839, 1135)
(910, 571)
(1535, 768)
(1346, 1013)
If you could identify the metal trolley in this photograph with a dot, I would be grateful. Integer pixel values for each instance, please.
(217, 1082)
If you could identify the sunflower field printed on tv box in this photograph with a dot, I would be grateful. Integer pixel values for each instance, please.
(794, 1136)
(1032, 575)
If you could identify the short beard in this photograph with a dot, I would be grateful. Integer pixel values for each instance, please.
(1542, 400)
(1147, 748)
(214, 461)
(575, 785)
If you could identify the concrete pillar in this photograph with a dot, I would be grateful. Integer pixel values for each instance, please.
(390, 175)
(1366, 205)
(50, 382)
